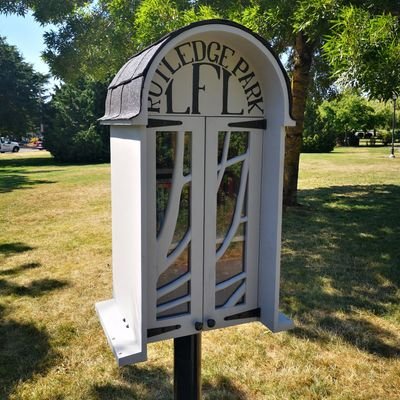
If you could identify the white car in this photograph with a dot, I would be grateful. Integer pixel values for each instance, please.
(8, 145)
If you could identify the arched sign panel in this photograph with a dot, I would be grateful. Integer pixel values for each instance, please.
(205, 77)
(197, 156)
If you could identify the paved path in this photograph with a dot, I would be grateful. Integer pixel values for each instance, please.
(27, 149)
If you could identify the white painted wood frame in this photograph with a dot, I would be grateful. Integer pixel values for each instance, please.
(203, 79)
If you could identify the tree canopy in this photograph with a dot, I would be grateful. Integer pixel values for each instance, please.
(20, 92)
(355, 41)
(97, 40)
(73, 133)
(335, 121)
(43, 10)
(364, 51)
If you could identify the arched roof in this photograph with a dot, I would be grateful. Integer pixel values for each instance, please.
(125, 92)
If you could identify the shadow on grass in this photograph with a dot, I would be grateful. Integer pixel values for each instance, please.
(34, 289)
(25, 349)
(10, 182)
(223, 389)
(9, 249)
(20, 268)
(21, 162)
(140, 383)
(147, 383)
(15, 177)
(360, 333)
(340, 260)
(19, 173)
(27, 162)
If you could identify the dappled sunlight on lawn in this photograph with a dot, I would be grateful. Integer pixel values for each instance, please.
(340, 284)
(353, 229)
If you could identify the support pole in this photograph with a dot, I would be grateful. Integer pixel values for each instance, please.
(187, 367)
(393, 125)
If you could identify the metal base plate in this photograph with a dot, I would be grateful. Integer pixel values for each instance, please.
(126, 347)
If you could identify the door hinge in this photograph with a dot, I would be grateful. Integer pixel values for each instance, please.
(252, 124)
(156, 123)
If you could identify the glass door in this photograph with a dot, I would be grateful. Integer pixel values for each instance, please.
(204, 182)
(176, 184)
(232, 205)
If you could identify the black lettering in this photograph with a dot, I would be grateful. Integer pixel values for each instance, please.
(225, 93)
(196, 85)
(209, 49)
(168, 65)
(254, 103)
(152, 108)
(241, 66)
(254, 90)
(202, 49)
(166, 79)
(182, 55)
(246, 79)
(223, 55)
(153, 93)
(168, 94)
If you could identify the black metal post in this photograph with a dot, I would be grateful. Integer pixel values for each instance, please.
(394, 125)
(187, 367)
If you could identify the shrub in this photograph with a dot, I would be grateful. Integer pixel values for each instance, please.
(318, 135)
(88, 146)
(73, 133)
(385, 135)
(323, 142)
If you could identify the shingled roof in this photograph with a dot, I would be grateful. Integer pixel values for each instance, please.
(124, 96)
(124, 92)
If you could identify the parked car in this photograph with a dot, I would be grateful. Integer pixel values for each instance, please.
(39, 145)
(8, 145)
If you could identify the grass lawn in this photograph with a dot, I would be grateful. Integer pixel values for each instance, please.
(340, 283)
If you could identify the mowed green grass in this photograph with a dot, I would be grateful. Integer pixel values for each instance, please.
(340, 283)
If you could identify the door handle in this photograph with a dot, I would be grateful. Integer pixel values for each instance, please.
(198, 326)
(211, 323)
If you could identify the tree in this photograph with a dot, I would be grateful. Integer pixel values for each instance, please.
(347, 114)
(318, 137)
(21, 89)
(364, 51)
(383, 115)
(298, 28)
(337, 120)
(125, 27)
(93, 42)
(73, 133)
(286, 23)
(43, 10)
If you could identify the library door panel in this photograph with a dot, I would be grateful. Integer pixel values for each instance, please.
(231, 219)
(205, 178)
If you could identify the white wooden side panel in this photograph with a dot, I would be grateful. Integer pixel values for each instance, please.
(271, 226)
(128, 240)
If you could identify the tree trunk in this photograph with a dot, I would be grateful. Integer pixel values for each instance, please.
(300, 82)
